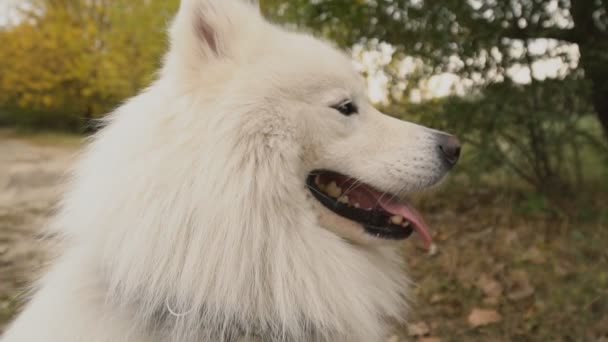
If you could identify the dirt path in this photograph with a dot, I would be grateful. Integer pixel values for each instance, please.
(30, 181)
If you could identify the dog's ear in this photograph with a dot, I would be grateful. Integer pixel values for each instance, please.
(212, 28)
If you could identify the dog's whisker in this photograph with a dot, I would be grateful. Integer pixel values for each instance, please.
(357, 183)
(321, 194)
(380, 198)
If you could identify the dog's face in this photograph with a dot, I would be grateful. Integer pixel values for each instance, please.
(354, 164)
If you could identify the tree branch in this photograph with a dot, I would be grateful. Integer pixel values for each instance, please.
(568, 35)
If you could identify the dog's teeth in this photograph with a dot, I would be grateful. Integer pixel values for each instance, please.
(334, 190)
(357, 205)
(396, 219)
(318, 181)
(343, 199)
(405, 223)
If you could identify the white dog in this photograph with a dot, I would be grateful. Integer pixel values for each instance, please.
(251, 193)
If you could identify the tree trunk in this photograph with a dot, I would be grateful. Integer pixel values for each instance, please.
(593, 43)
(600, 101)
(596, 70)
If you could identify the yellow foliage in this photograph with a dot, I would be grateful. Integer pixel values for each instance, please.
(82, 57)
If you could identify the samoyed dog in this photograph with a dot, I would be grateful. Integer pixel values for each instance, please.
(252, 193)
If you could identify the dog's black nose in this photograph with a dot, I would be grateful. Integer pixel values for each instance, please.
(450, 148)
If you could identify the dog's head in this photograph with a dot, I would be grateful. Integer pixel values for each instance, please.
(296, 106)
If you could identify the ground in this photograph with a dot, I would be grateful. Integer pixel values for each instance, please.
(31, 170)
(504, 269)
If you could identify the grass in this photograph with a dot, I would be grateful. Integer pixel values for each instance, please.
(43, 138)
(552, 270)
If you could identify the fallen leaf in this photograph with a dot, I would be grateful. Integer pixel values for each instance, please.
(492, 301)
(534, 255)
(480, 317)
(562, 270)
(418, 329)
(520, 294)
(441, 236)
(499, 268)
(436, 298)
(489, 286)
(467, 277)
(519, 287)
(393, 338)
(429, 339)
(511, 237)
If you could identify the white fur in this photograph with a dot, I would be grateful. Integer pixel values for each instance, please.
(193, 196)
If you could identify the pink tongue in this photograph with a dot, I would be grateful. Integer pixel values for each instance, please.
(368, 198)
(411, 214)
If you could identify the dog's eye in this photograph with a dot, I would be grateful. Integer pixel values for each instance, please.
(347, 108)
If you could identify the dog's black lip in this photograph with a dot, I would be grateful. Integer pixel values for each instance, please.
(390, 232)
(374, 222)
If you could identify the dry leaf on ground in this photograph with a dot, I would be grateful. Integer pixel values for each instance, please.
(534, 255)
(436, 298)
(519, 287)
(492, 301)
(480, 317)
(429, 339)
(393, 338)
(418, 329)
(489, 286)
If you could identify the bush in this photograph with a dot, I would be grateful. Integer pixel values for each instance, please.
(544, 133)
(42, 120)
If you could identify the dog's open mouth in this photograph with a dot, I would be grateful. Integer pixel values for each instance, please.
(380, 214)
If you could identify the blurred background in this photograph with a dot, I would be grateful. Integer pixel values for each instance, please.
(521, 225)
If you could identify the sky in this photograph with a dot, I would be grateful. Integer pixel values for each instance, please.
(5, 6)
(8, 11)
(3, 11)
(446, 84)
